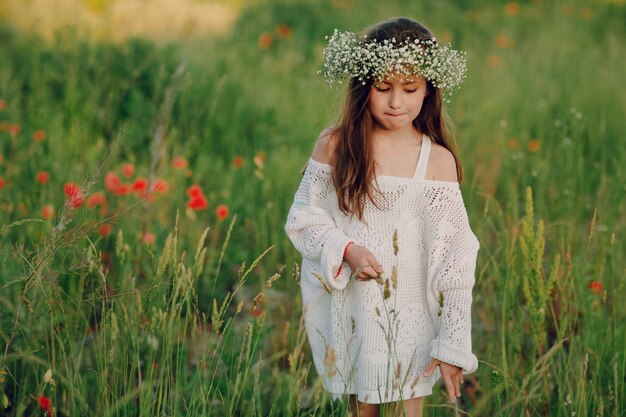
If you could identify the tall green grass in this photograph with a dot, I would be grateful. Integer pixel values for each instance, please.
(207, 320)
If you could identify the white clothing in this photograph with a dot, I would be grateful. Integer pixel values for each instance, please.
(348, 322)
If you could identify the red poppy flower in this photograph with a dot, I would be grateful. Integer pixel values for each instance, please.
(105, 229)
(122, 189)
(39, 135)
(47, 211)
(14, 129)
(595, 286)
(194, 191)
(111, 181)
(221, 211)
(44, 404)
(74, 194)
(128, 170)
(198, 202)
(284, 31)
(148, 238)
(43, 177)
(238, 161)
(3, 105)
(160, 186)
(265, 40)
(2, 182)
(179, 162)
(140, 185)
(96, 199)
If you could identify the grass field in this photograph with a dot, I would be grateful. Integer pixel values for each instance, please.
(144, 185)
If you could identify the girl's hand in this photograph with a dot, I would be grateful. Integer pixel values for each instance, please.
(361, 259)
(452, 377)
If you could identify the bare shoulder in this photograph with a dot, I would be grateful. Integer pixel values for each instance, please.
(441, 164)
(325, 146)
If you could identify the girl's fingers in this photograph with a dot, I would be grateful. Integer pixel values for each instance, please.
(450, 388)
(368, 272)
(376, 266)
(431, 367)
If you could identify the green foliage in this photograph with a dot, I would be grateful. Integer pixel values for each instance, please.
(134, 328)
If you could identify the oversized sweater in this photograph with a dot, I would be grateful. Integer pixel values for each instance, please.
(371, 339)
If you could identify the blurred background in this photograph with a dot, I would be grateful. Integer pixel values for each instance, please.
(150, 151)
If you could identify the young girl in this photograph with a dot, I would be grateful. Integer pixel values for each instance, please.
(388, 256)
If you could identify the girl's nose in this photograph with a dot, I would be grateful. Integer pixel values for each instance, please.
(395, 100)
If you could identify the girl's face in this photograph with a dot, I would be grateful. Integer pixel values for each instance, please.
(396, 102)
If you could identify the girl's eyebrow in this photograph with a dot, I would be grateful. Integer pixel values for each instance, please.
(404, 83)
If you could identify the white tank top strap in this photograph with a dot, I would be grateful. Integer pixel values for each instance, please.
(422, 162)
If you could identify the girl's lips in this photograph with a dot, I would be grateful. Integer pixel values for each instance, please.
(394, 115)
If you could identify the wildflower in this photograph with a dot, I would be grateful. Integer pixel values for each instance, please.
(96, 199)
(284, 31)
(3, 105)
(503, 41)
(265, 40)
(198, 202)
(2, 182)
(238, 161)
(533, 145)
(105, 229)
(128, 170)
(44, 404)
(259, 160)
(221, 211)
(122, 189)
(14, 129)
(586, 13)
(39, 135)
(43, 177)
(140, 186)
(512, 9)
(111, 181)
(74, 194)
(194, 191)
(160, 186)
(493, 61)
(47, 211)
(148, 238)
(512, 144)
(595, 286)
(5, 126)
(179, 162)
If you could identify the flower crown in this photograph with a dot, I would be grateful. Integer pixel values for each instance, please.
(346, 55)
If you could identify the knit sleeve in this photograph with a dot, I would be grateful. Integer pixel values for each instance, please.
(452, 250)
(312, 229)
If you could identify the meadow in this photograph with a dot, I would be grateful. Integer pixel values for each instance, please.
(144, 187)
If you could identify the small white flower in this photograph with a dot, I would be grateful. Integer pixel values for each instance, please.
(348, 55)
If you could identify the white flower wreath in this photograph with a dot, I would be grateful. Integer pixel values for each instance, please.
(349, 56)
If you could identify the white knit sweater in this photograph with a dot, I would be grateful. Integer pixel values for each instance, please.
(361, 342)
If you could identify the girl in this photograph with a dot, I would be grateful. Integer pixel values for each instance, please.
(388, 256)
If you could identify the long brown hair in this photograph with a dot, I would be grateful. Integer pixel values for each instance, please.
(353, 157)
